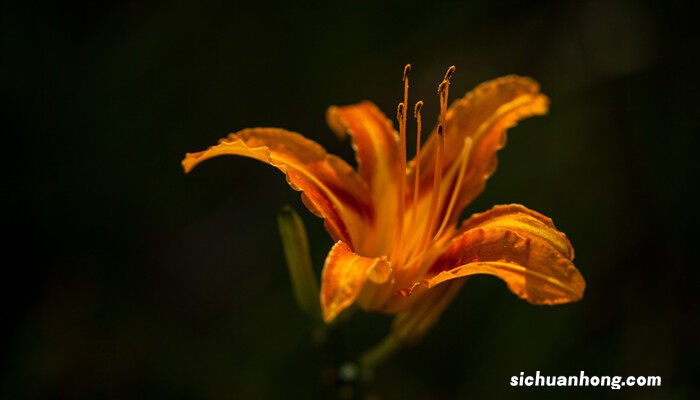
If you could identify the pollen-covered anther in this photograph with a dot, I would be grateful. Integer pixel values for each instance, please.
(399, 111)
(449, 72)
(406, 71)
(416, 109)
(442, 86)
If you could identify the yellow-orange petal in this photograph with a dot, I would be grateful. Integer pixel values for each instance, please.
(345, 275)
(330, 188)
(517, 245)
(484, 115)
(374, 139)
(377, 151)
(522, 220)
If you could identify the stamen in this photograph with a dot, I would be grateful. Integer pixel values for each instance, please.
(464, 160)
(443, 92)
(401, 116)
(416, 172)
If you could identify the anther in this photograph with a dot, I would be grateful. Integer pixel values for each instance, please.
(399, 112)
(449, 73)
(440, 130)
(417, 108)
(406, 70)
(442, 86)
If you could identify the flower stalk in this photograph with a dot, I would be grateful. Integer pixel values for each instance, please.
(377, 355)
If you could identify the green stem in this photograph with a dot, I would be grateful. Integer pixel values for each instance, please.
(378, 354)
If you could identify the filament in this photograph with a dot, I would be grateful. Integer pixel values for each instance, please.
(435, 197)
(464, 160)
(416, 178)
(443, 92)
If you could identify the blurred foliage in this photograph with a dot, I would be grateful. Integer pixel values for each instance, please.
(132, 280)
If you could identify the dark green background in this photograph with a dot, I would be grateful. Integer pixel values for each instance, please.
(125, 278)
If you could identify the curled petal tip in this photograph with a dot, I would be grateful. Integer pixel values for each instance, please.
(345, 276)
(190, 161)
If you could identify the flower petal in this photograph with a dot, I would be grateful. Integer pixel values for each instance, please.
(347, 276)
(484, 115)
(519, 246)
(331, 189)
(520, 219)
(377, 150)
(374, 139)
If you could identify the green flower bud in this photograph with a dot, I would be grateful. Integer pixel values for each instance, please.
(301, 272)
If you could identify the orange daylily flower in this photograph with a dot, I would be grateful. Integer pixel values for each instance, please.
(398, 247)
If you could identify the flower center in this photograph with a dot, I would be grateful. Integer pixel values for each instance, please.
(407, 252)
